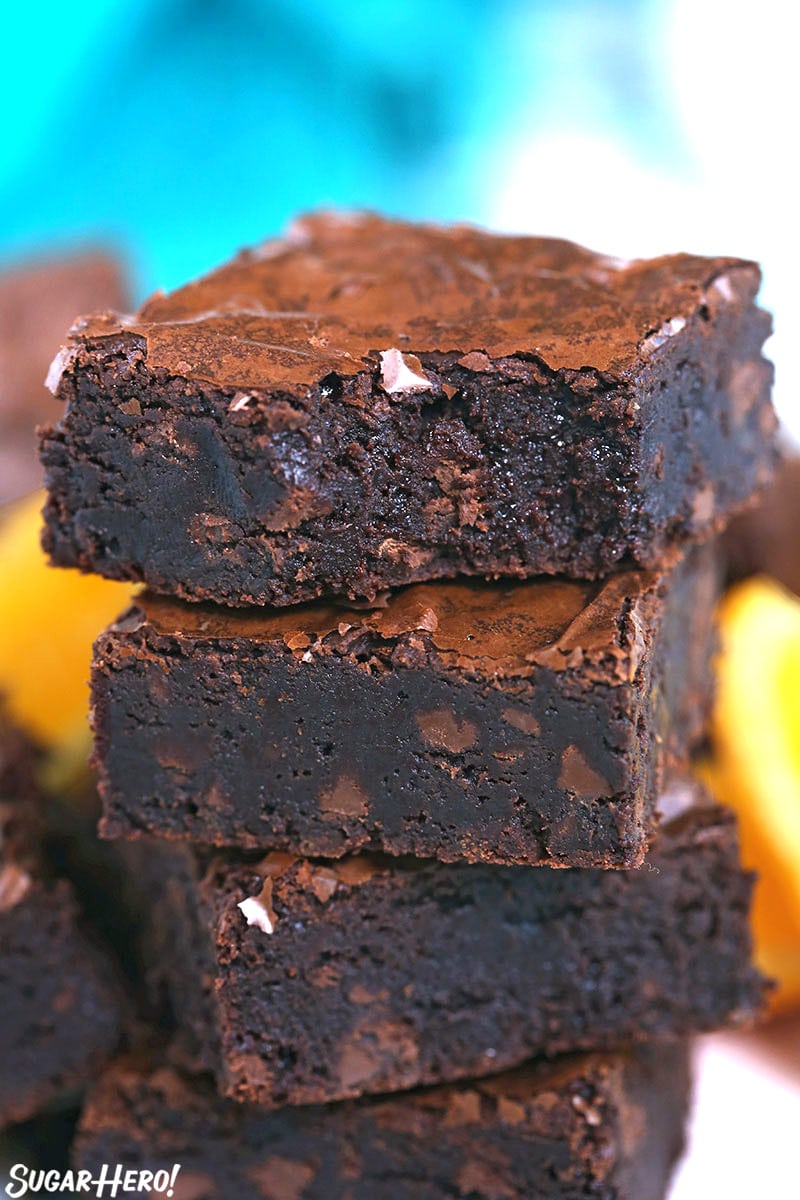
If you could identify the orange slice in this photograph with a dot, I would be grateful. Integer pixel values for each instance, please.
(756, 763)
(49, 619)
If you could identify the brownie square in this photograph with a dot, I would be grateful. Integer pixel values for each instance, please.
(369, 403)
(304, 981)
(608, 1125)
(61, 996)
(507, 723)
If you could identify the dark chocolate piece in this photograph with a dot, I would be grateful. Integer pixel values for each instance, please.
(609, 1126)
(370, 403)
(38, 301)
(304, 981)
(61, 999)
(523, 723)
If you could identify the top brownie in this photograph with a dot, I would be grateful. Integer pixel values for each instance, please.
(368, 403)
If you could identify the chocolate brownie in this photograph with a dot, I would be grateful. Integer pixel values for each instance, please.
(608, 1126)
(303, 981)
(369, 403)
(764, 540)
(510, 723)
(38, 301)
(61, 999)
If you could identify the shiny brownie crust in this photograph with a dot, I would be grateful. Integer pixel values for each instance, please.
(370, 404)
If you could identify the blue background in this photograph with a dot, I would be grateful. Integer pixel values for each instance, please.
(182, 129)
(176, 131)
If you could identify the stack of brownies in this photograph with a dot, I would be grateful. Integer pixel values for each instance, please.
(426, 518)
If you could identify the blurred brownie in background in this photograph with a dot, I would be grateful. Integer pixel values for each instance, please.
(38, 301)
(62, 1001)
(766, 538)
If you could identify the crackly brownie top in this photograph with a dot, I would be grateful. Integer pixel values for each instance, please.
(498, 630)
(342, 292)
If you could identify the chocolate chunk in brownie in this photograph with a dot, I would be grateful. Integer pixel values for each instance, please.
(607, 1125)
(508, 723)
(38, 302)
(61, 998)
(369, 403)
(302, 981)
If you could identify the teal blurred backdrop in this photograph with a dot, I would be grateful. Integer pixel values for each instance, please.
(184, 128)
(175, 131)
